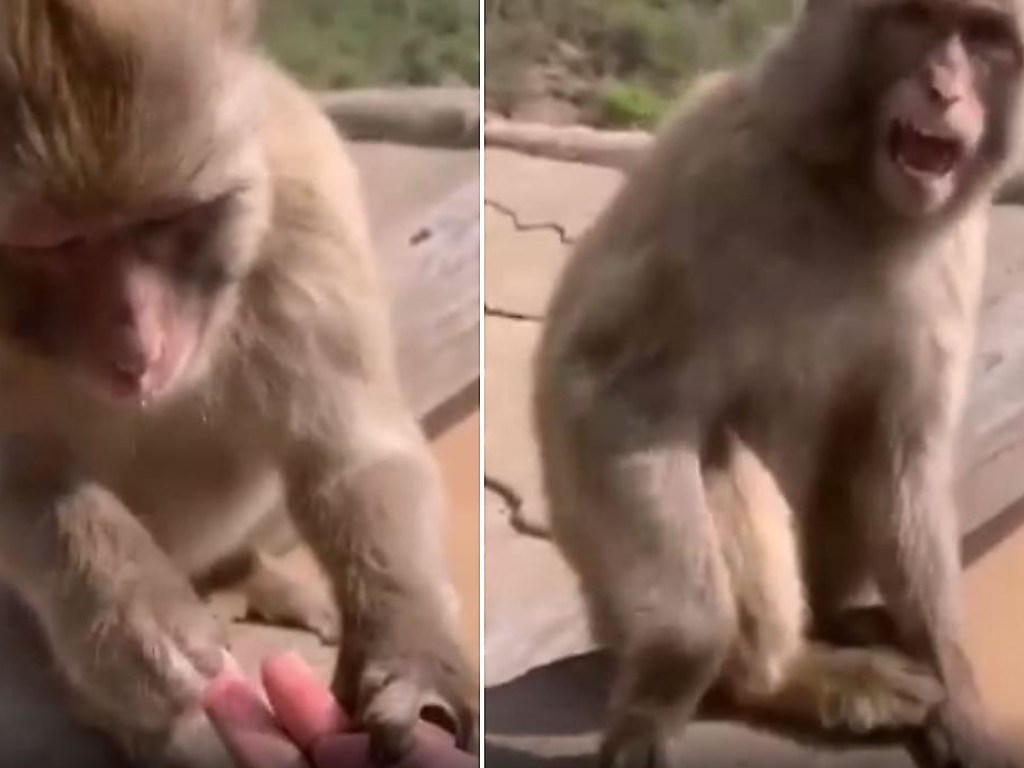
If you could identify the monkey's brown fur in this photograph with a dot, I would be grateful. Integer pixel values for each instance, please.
(746, 397)
(292, 403)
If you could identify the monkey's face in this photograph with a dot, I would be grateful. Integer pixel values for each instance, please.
(134, 194)
(125, 305)
(944, 113)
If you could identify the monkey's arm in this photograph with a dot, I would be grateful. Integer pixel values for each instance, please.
(368, 498)
(907, 499)
(130, 635)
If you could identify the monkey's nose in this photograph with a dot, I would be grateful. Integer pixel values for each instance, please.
(131, 359)
(129, 367)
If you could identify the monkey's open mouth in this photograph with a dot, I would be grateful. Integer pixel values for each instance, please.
(923, 153)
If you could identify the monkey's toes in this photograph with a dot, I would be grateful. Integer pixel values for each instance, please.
(882, 690)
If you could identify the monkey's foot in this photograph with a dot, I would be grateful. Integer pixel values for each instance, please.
(634, 742)
(399, 684)
(276, 597)
(858, 691)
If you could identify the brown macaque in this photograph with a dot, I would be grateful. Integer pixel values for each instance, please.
(194, 355)
(751, 376)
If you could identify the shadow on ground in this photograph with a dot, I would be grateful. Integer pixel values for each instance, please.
(550, 718)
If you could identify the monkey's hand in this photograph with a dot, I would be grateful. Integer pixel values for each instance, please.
(392, 678)
(141, 662)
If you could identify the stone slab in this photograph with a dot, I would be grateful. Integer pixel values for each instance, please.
(522, 266)
(400, 182)
(541, 190)
(511, 455)
(535, 620)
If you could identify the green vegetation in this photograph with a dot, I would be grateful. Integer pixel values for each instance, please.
(617, 62)
(352, 43)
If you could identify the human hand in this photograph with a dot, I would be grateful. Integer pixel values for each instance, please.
(301, 725)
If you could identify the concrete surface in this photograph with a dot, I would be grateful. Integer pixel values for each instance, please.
(545, 687)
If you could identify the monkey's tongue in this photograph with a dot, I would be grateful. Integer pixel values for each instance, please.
(921, 153)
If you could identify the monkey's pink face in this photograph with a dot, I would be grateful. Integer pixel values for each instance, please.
(935, 117)
(123, 304)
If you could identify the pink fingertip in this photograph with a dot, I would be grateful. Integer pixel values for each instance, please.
(303, 704)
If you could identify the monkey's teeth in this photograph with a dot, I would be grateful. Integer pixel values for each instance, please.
(922, 152)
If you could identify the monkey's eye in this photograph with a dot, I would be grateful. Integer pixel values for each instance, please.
(155, 226)
(54, 249)
(64, 246)
(990, 36)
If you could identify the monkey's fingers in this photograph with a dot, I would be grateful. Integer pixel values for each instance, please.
(431, 750)
(392, 704)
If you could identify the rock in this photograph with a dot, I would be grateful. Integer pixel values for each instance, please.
(522, 266)
(534, 613)
(425, 117)
(544, 191)
(532, 134)
(992, 442)
(544, 699)
(511, 455)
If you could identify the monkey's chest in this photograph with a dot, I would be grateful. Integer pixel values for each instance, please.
(817, 377)
(201, 501)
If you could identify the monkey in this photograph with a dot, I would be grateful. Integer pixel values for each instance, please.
(195, 351)
(750, 377)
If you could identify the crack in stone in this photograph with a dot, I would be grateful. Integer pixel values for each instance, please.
(505, 314)
(514, 502)
(522, 226)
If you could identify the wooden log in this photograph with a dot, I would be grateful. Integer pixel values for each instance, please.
(576, 143)
(431, 117)
(621, 149)
(432, 265)
(992, 438)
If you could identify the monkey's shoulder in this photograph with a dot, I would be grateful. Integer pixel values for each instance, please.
(309, 160)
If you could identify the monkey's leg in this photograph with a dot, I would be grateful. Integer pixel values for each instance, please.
(756, 530)
(369, 501)
(773, 672)
(635, 526)
(129, 634)
(273, 594)
(913, 526)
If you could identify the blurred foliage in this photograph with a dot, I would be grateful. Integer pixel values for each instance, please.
(352, 43)
(625, 105)
(619, 61)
